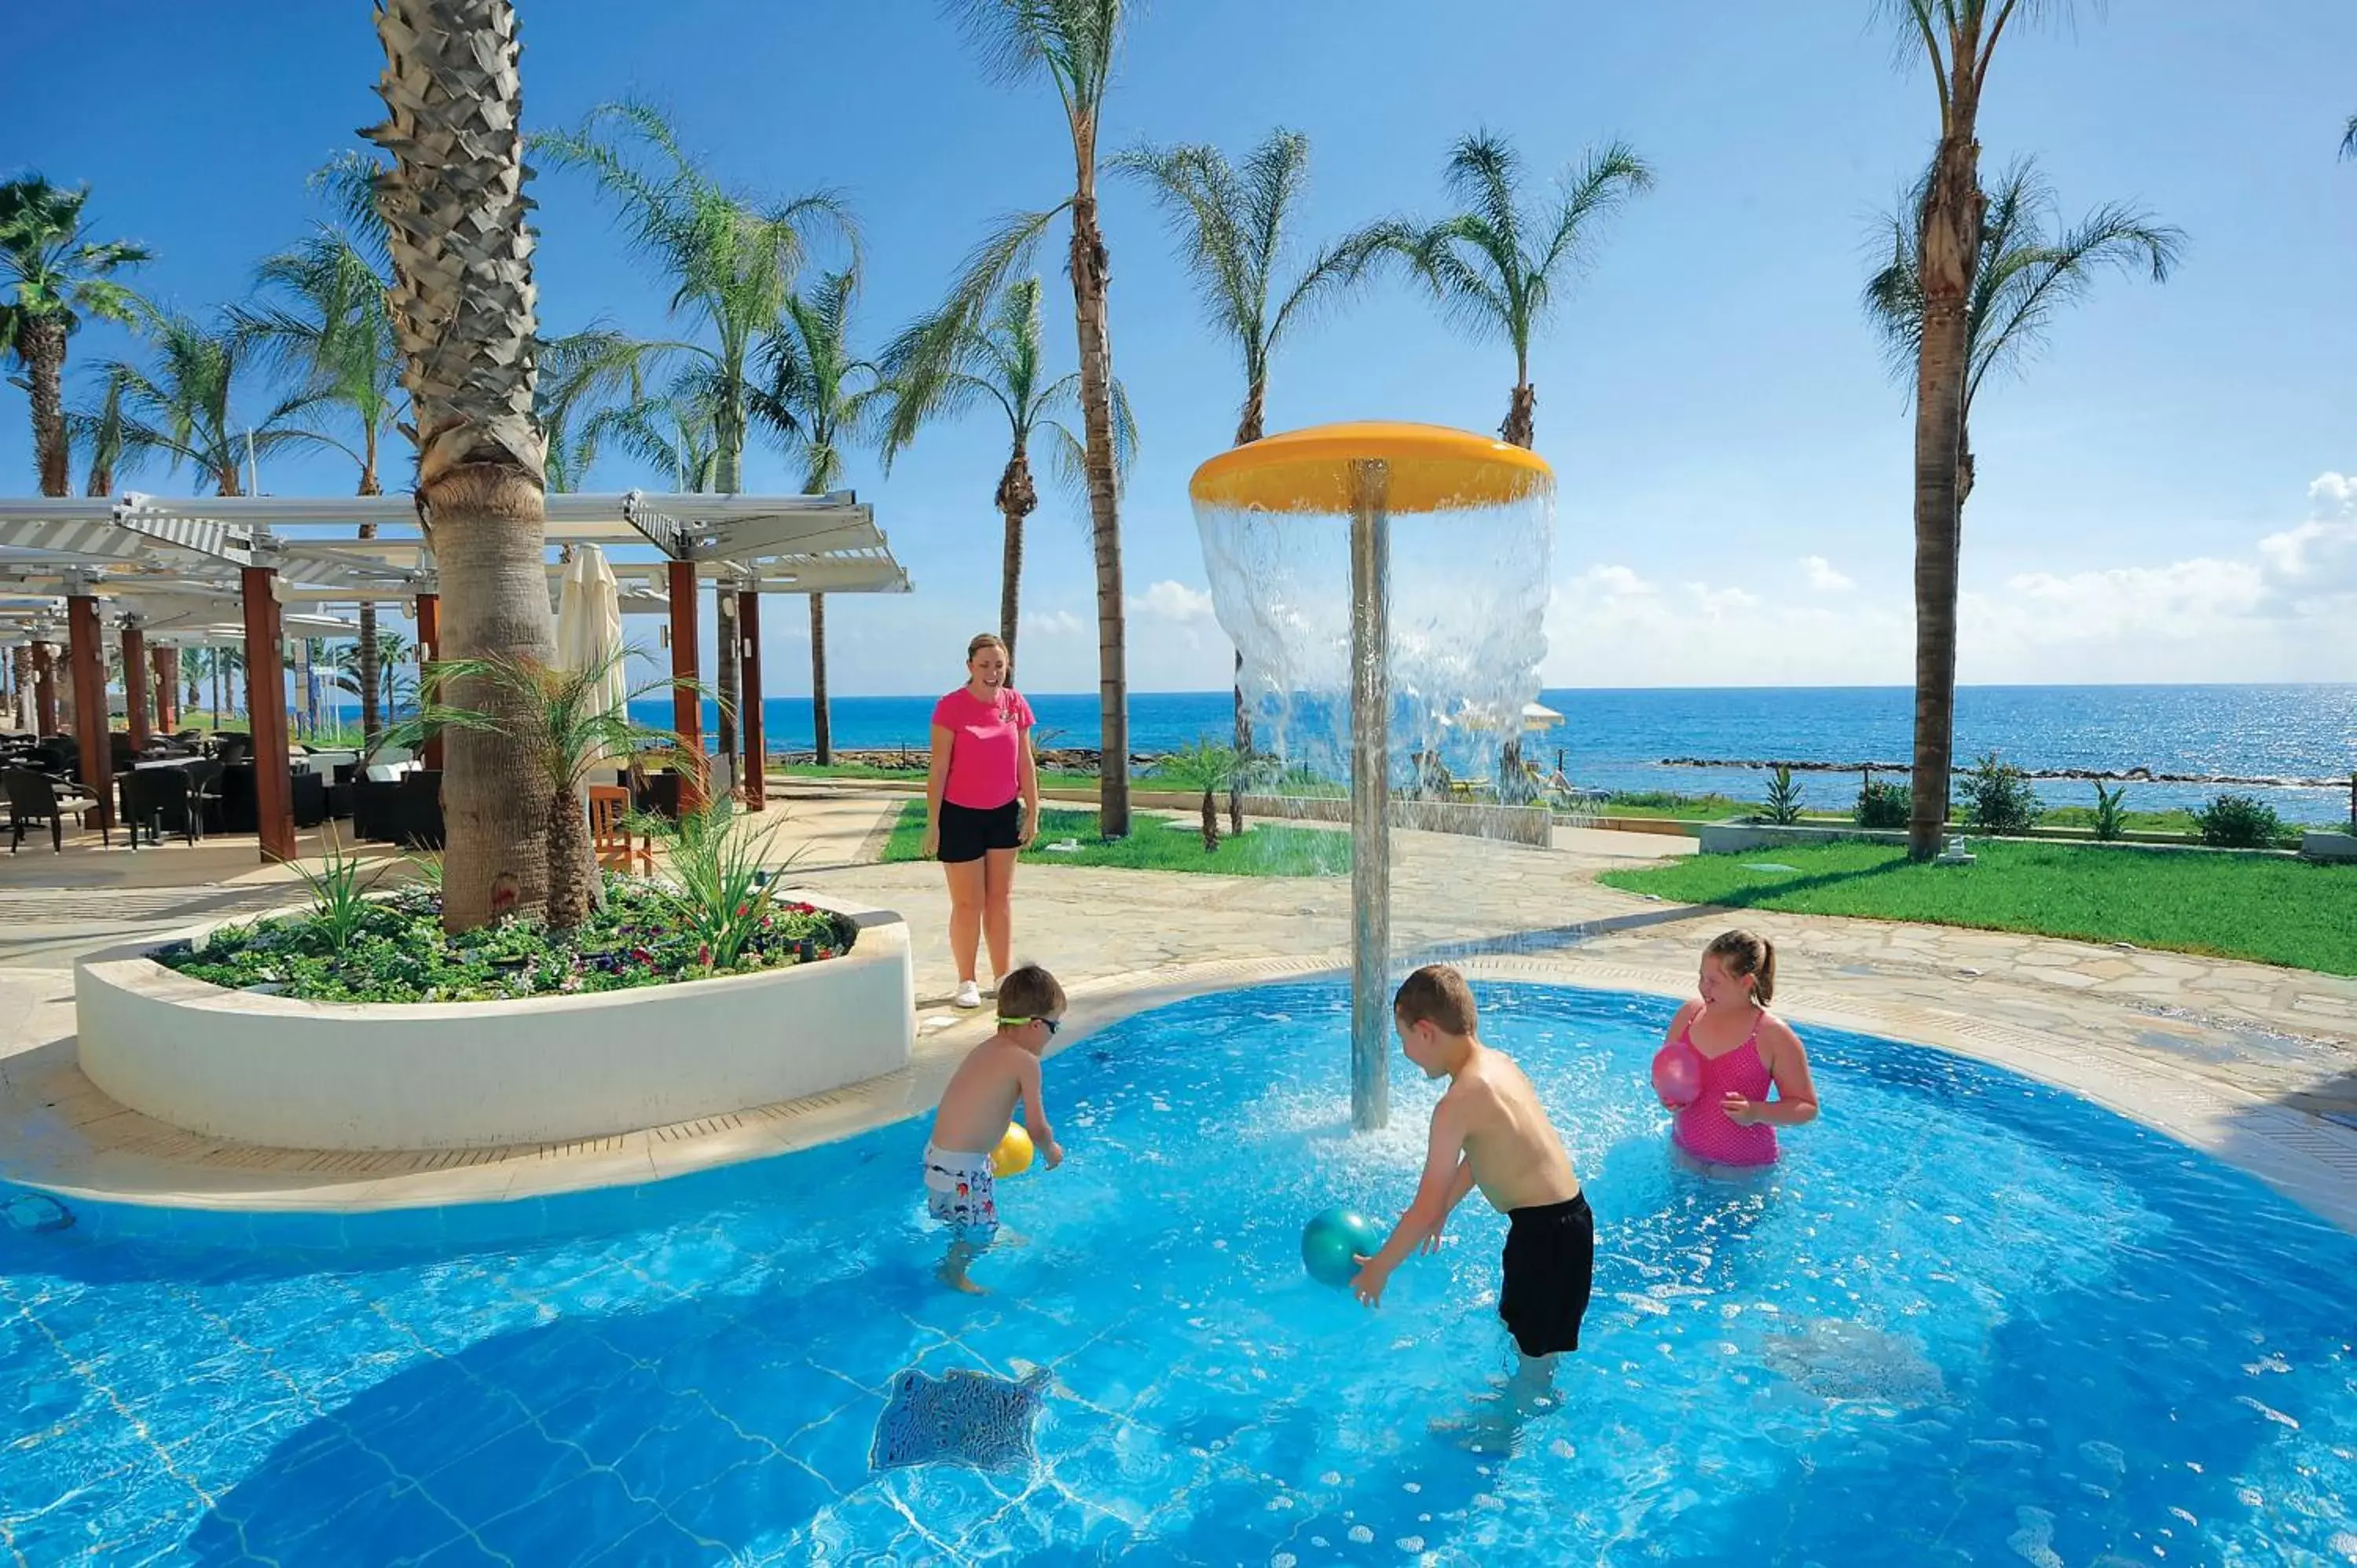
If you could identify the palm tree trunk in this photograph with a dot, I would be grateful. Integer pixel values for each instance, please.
(821, 730)
(1952, 224)
(364, 655)
(1249, 429)
(572, 871)
(1091, 270)
(1521, 428)
(1211, 824)
(1016, 496)
(463, 300)
(41, 341)
(215, 662)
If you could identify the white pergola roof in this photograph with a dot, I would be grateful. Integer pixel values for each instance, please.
(176, 563)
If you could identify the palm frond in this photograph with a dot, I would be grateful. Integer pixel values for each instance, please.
(1599, 186)
(347, 182)
(2348, 139)
(1226, 228)
(1073, 42)
(923, 363)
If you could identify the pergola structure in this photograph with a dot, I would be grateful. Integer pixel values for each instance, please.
(170, 572)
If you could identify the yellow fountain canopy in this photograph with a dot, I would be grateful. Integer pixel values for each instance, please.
(1429, 468)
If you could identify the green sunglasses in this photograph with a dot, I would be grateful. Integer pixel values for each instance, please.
(1053, 1024)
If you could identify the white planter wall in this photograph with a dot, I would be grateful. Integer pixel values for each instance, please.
(317, 1075)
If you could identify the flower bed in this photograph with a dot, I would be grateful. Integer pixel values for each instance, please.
(393, 949)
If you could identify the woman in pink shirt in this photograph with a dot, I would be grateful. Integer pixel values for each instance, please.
(981, 806)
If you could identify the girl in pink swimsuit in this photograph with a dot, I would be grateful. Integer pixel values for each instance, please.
(1743, 1050)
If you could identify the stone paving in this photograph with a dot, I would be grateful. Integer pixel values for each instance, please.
(2256, 1063)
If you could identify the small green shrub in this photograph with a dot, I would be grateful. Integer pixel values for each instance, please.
(1997, 797)
(2110, 811)
(2239, 821)
(1783, 804)
(339, 891)
(1882, 806)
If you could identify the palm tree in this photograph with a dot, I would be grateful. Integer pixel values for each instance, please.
(52, 275)
(561, 720)
(101, 430)
(938, 369)
(732, 264)
(1959, 39)
(2025, 270)
(1231, 227)
(329, 327)
(1493, 267)
(670, 432)
(1074, 44)
(818, 401)
(462, 305)
(1208, 769)
(2348, 139)
(183, 405)
(583, 374)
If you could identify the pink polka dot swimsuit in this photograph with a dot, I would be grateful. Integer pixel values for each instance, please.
(1705, 1130)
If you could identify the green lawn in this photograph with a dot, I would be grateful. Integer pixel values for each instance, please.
(915, 776)
(1155, 845)
(2269, 908)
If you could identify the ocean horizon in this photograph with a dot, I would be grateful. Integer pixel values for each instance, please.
(1622, 737)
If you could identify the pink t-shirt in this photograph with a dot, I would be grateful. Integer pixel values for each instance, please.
(986, 747)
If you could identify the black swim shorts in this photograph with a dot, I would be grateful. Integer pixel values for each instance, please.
(968, 833)
(1550, 1268)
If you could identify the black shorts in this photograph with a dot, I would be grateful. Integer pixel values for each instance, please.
(1550, 1268)
(968, 833)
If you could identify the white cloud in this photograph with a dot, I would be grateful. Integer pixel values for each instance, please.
(1823, 577)
(1172, 600)
(2276, 610)
(1051, 623)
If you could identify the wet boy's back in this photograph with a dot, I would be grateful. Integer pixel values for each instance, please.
(1518, 1161)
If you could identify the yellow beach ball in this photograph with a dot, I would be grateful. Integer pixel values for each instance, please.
(1013, 1155)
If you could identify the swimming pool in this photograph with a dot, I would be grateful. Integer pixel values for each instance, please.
(1972, 1320)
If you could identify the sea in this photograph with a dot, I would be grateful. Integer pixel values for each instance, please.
(1626, 739)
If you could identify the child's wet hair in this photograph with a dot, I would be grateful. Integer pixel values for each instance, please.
(1748, 955)
(1436, 994)
(1029, 992)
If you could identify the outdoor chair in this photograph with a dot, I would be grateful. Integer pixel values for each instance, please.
(155, 796)
(35, 798)
(205, 794)
(609, 805)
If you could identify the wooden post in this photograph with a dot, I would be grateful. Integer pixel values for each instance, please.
(166, 665)
(89, 703)
(45, 689)
(749, 694)
(134, 685)
(429, 649)
(266, 710)
(686, 704)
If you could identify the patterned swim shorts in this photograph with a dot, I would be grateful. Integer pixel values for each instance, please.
(960, 1192)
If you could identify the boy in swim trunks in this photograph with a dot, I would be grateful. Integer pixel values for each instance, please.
(1489, 1130)
(975, 1110)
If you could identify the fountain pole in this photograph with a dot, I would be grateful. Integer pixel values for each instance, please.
(1370, 852)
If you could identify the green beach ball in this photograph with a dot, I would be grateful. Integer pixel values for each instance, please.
(1329, 1242)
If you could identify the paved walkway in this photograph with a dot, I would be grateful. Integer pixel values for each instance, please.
(2257, 1063)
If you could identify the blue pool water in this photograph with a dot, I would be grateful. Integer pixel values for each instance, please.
(1972, 1320)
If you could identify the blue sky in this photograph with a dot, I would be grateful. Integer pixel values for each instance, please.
(2160, 496)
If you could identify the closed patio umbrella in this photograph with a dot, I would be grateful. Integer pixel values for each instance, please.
(590, 624)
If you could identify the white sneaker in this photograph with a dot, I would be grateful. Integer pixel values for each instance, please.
(968, 994)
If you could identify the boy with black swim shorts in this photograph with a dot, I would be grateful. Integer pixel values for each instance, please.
(1491, 1131)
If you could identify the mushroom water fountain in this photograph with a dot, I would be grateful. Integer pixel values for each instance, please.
(1385, 586)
